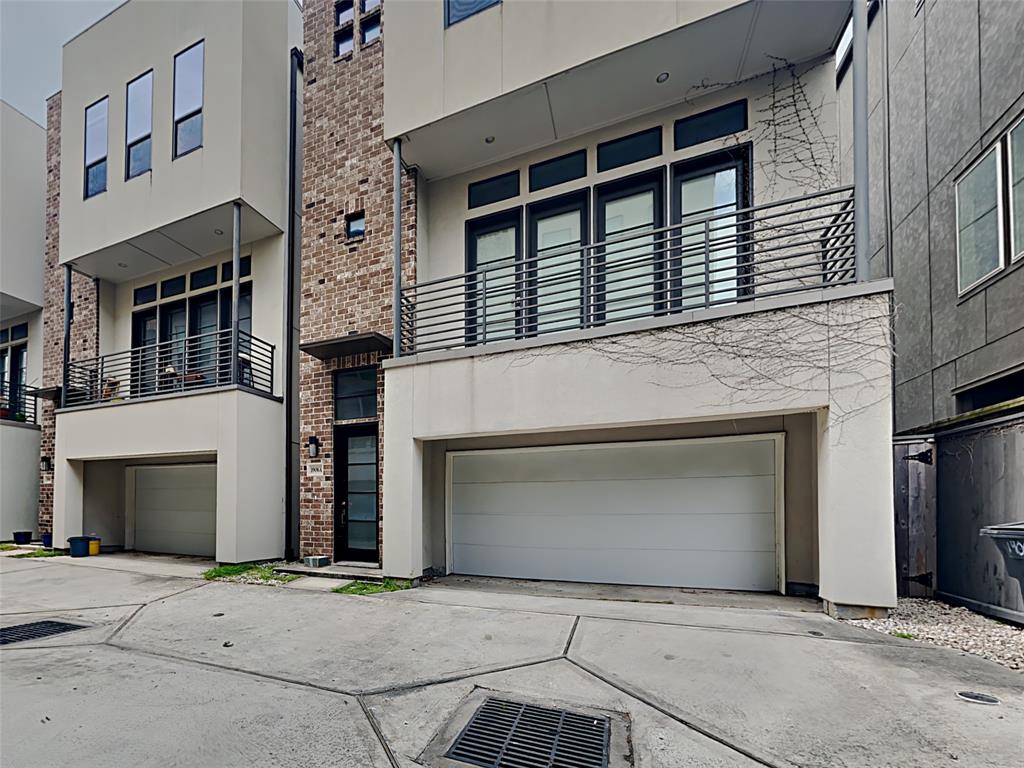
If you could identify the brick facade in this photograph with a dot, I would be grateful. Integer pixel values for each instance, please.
(85, 326)
(346, 283)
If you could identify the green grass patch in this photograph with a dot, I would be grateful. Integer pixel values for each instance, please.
(5, 547)
(41, 553)
(904, 635)
(372, 587)
(249, 573)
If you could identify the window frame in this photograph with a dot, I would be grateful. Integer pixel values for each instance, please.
(1014, 257)
(374, 15)
(348, 28)
(106, 150)
(335, 397)
(996, 147)
(448, 21)
(482, 225)
(177, 121)
(129, 145)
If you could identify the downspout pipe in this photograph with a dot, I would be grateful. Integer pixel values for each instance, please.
(861, 223)
(396, 296)
(292, 279)
(69, 308)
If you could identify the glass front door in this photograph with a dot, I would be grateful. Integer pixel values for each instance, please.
(144, 336)
(355, 493)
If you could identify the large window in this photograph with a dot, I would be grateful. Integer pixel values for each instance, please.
(990, 211)
(457, 10)
(13, 371)
(139, 126)
(493, 305)
(96, 147)
(188, 100)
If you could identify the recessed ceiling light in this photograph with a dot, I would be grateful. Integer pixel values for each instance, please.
(662, 77)
(488, 140)
(218, 231)
(122, 265)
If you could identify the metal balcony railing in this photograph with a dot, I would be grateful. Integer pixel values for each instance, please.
(16, 404)
(180, 365)
(716, 257)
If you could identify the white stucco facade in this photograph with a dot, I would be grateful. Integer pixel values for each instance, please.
(831, 360)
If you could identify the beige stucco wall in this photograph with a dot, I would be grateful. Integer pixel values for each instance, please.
(790, 158)
(22, 194)
(19, 478)
(244, 154)
(830, 358)
(432, 71)
(245, 432)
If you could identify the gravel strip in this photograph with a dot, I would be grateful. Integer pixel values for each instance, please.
(953, 627)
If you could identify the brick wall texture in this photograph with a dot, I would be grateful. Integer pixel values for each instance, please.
(85, 327)
(346, 283)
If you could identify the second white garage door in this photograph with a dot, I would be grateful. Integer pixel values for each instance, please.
(686, 513)
(176, 509)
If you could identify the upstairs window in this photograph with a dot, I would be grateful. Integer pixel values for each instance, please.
(978, 240)
(344, 12)
(369, 21)
(990, 211)
(457, 10)
(343, 42)
(96, 148)
(139, 126)
(188, 100)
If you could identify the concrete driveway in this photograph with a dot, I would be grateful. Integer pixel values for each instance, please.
(172, 670)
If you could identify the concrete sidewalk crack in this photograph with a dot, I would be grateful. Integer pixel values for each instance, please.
(572, 634)
(685, 722)
(378, 732)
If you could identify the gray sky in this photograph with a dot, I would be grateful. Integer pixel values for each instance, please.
(31, 35)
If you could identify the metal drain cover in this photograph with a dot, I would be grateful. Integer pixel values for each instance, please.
(977, 698)
(507, 734)
(35, 630)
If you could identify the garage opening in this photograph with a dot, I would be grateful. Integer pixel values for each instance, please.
(700, 513)
(174, 510)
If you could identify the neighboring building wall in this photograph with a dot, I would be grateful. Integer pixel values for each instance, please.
(84, 329)
(346, 283)
(956, 82)
(22, 192)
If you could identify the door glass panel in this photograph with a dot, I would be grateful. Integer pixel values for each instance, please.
(629, 265)
(362, 506)
(172, 357)
(496, 301)
(711, 195)
(144, 359)
(362, 535)
(557, 269)
(203, 354)
(362, 478)
(362, 450)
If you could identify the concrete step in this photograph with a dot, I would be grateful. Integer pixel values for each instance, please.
(337, 571)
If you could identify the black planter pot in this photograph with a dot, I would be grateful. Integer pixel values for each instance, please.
(22, 537)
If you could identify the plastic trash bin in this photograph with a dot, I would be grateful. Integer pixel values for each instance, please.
(22, 537)
(47, 540)
(79, 546)
(94, 545)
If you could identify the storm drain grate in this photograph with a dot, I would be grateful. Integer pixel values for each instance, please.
(35, 630)
(507, 734)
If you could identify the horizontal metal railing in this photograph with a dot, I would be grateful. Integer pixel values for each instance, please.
(16, 403)
(715, 257)
(181, 365)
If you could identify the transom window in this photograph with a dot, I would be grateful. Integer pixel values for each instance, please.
(355, 394)
(139, 126)
(188, 100)
(990, 211)
(96, 147)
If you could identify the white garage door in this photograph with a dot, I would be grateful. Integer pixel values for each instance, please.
(176, 509)
(694, 513)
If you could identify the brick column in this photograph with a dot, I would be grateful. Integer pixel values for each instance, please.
(346, 282)
(84, 330)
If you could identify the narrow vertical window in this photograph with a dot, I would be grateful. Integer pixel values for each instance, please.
(96, 148)
(369, 20)
(139, 126)
(978, 230)
(343, 42)
(188, 100)
(1016, 149)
